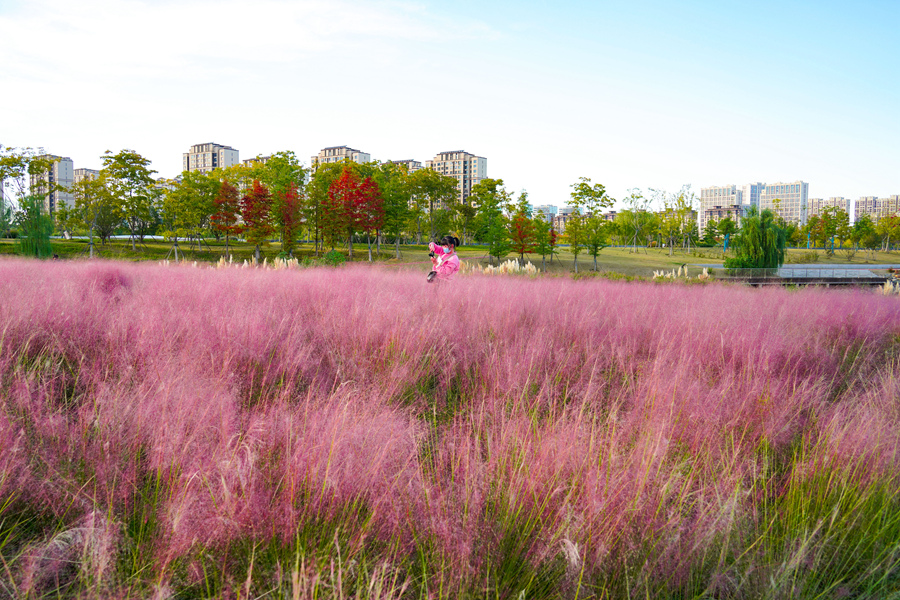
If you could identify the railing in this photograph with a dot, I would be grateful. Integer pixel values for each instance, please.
(796, 272)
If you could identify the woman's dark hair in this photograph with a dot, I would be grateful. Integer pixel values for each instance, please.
(449, 240)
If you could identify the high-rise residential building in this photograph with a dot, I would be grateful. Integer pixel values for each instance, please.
(82, 174)
(465, 167)
(865, 205)
(788, 200)
(206, 157)
(59, 174)
(249, 162)
(411, 165)
(750, 194)
(735, 212)
(715, 198)
(889, 206)
(546, 211)
(815, 206)
(337, 154)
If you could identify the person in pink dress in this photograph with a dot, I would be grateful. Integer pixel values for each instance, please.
(444, 261)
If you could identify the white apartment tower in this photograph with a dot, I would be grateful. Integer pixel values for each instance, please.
(466, 168)
(337, 154)
(60, 173)
(206, 157)
(715, 199)
(789, 200)
(750, 193)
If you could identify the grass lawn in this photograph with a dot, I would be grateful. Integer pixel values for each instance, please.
(624, 261)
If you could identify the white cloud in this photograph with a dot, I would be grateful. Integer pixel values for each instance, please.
(60, 40)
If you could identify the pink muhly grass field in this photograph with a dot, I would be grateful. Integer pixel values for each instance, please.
(182, 432)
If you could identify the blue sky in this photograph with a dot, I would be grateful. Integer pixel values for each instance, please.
(631, 94)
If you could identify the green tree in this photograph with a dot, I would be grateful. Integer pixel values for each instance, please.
(636, 221)
(575, 234)
(888, 228)
(35, 227)
(710, 233)
(544, 241)
(279, 172)
(95, 209)
(462, 217)
(831, 220)
(187, 208)
(596, 235)
(676, 223)
(865, 236)
(590, 199)
(498, 238)
(17, 167)
(6, 217)
(393, 180)
(813, 230)
(760, 243)
(436, 191)
(490, 198)
(130, 180)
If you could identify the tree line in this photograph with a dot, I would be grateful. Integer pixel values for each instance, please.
(335, 205)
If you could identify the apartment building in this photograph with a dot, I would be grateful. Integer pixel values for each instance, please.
(750, 194)
(816, 206)
(788, 200)
(82, 174)
(249, 162)
(865, 205)
(206, 157)
(411, 165)
(735, 212)
(465, 167)
(877, 207)
(60, 173)
(546, 212)
(889, 206)
(337, 154)
(716, 198)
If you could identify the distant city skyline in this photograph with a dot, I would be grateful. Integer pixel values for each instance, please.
(649, 95)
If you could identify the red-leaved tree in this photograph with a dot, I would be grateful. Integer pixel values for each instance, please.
(288, 215)
(226, 218)
(256, 210)
(522, 235)
(337, 210)
(369, 210)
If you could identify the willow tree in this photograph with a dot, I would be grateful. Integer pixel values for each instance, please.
(35, 227)
(760, 243)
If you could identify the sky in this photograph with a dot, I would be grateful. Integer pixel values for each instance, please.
(631, 94)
